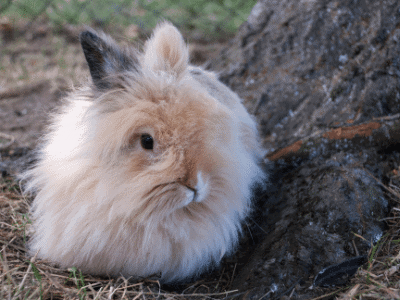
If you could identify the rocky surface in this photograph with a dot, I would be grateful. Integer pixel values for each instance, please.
(310, 65)
(323, 209)
(322, 78)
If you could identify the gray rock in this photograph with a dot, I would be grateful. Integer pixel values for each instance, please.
(303, 66)
(321, 212)
(323, 80)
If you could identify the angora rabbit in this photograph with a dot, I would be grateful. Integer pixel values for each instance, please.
(147, 171)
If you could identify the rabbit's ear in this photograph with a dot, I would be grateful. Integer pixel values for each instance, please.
(105, 58)
(166, 50)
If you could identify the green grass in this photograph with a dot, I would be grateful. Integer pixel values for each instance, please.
(213, 18)
(79, 280)
(38, 277)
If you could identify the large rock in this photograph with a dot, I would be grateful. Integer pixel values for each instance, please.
(322, 78)
(322, 210)
(305, 66)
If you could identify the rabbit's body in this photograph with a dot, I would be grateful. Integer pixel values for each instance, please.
(147, 172)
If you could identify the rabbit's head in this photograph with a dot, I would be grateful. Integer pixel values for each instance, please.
(155, 153)
(174, 148)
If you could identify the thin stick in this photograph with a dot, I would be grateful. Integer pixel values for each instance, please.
(126, 287)
(111, 293)
(387, 117)
(27, 271)
(384, 186)
(328, 295)
(5, 266)
(138, 295)
(34, 293)
(8, 137)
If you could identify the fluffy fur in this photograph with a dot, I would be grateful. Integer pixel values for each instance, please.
(105, 204)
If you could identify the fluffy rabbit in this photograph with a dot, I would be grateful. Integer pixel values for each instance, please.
(148, 170)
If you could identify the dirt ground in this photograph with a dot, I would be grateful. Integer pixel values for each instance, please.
(39, 65)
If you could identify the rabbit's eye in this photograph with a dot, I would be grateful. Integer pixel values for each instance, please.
(146, 141)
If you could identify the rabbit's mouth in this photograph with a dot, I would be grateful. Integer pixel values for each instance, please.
(186, 194)
(172, 195)
(190, 195)
(197, 192)
(181, 193)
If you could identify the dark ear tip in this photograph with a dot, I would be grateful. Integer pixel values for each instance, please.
(88, 36)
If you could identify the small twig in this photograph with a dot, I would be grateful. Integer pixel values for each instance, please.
(138, 295)
(5, 267)
(233, 274)
(328, 295)
(55, 283)
(220, 277)
(355, 248)
(90, 285)
(384, 186)
(111, 293)
(102, 290)
(291, 294)
(393, 186)
(91, 288)
(28, 270)
(397, 116)
(37, 291)
(7, 244)
(8, 137)
(125, 288)
(9, 271)
(12, 245)
(390, 218)
(350, 294)
(265, 295)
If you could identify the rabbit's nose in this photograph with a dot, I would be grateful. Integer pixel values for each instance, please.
(190, 196)
(202, 187)
(199, 187)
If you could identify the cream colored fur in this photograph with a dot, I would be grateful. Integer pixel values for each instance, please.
(107, 206)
